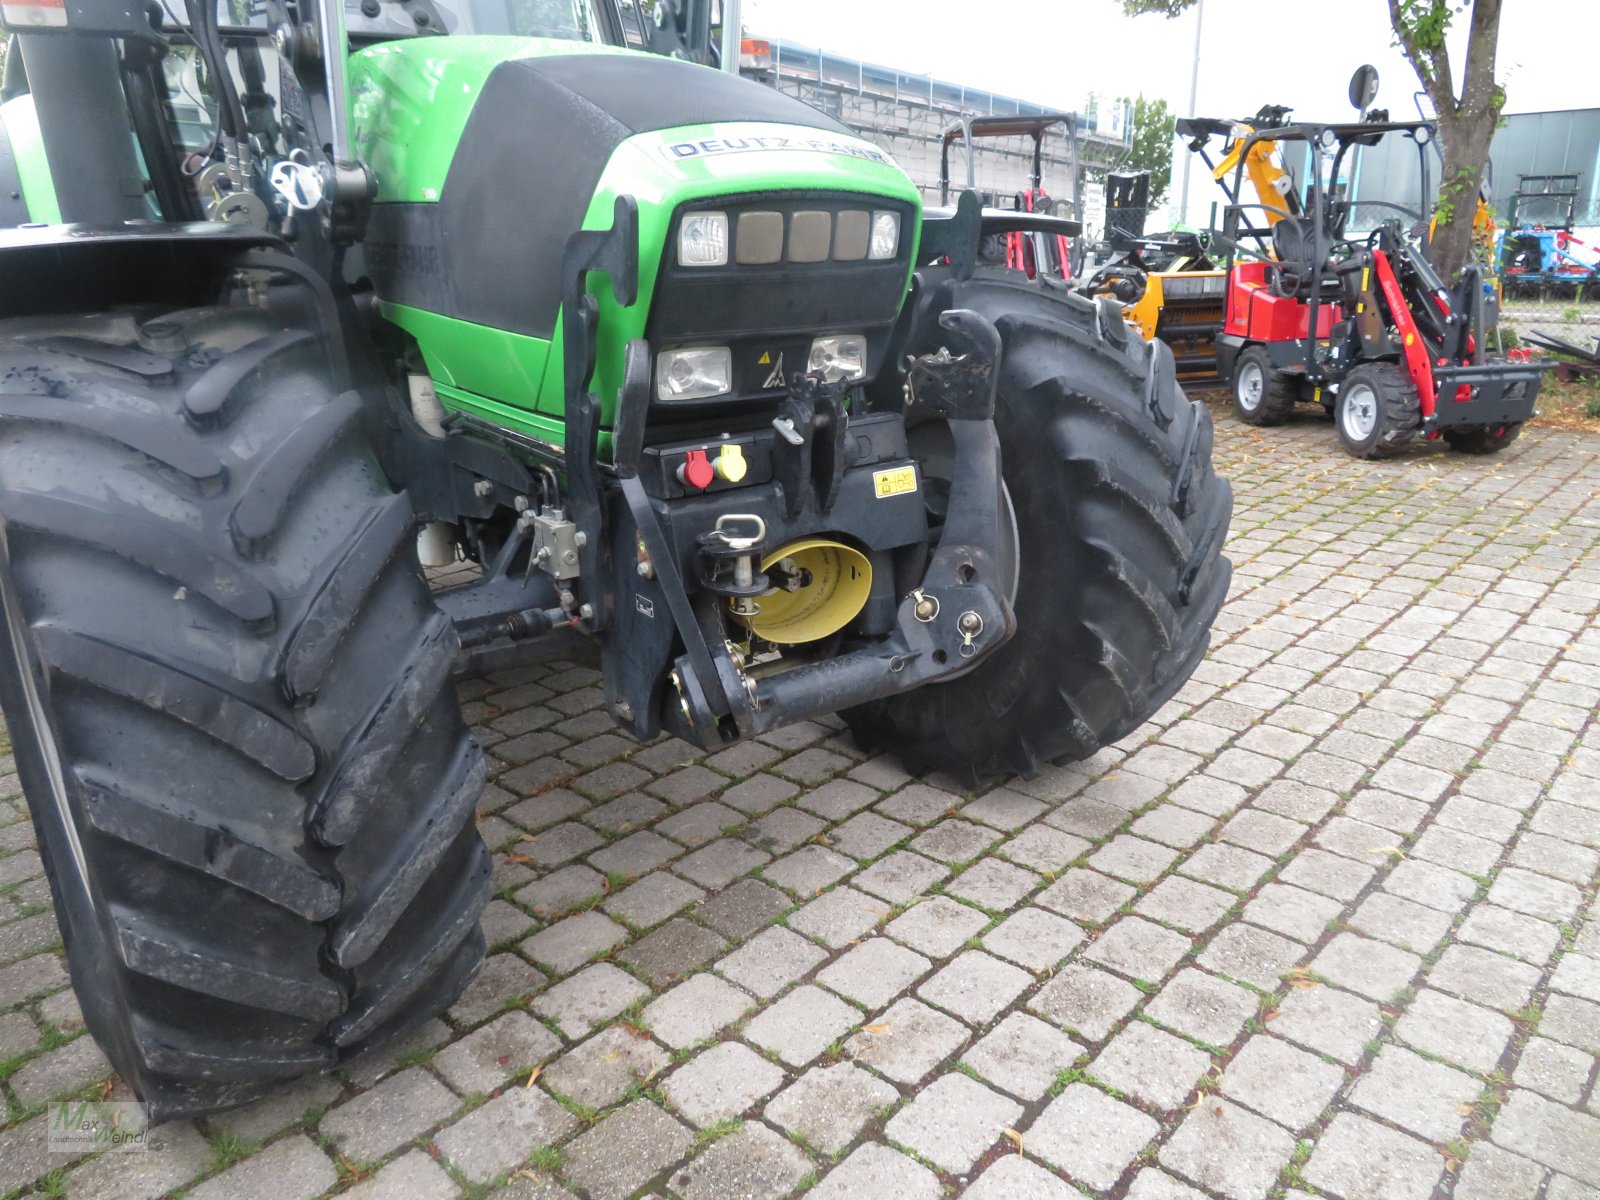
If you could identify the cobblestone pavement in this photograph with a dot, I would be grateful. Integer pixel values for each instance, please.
(1326, 926)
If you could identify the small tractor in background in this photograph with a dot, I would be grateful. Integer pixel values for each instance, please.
(300, 296)
(1324, 310)
(1538, 251)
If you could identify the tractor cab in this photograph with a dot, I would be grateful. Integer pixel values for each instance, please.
(1331, 298)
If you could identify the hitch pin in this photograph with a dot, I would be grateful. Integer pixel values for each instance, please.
(787, 431)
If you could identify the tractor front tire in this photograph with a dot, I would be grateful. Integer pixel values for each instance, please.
(1483, 439)
(1262, 394)
(228, 691)
(1120, 521)
(1377, 413)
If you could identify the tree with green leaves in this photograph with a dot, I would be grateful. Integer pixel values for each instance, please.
(1151, 148)
(1468, 103)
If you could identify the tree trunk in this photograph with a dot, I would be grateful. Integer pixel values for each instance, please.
(1466, 150)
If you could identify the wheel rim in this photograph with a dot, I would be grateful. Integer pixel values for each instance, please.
(1358, 412)
(1247, 387)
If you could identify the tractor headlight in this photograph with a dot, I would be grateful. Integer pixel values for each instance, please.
(703, 239)
(695, 373)
(885, 235)
(839, 356)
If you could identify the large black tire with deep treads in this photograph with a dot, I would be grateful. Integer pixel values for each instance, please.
(1120, 522)
(229, 695)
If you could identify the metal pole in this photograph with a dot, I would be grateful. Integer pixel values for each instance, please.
(331, 33)
(733, 37)
(1194, 89)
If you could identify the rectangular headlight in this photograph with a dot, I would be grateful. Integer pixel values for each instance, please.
(839, 356)
(703, 239)
(885, 235)
(694, 373)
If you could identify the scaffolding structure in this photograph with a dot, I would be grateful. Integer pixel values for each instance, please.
(907, 115)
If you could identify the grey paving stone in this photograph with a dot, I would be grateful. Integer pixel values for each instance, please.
(838, 799)
(1004, 809)
(599, 1071)
(1149, 1065)
(280, 1108)
(720, 1083)
(1138, 948)
(839, 917)
(1281, 1083)
(412, 1176)
(695, 1010)
(813, 766)
(1190, 906)
(1133, 859)
(504, 1132)
(60, 1071)
(1090, 1136)
(1415, 1093)
(1553, 1070)
(1356, 1157)
(919, 805)
(290, 1169)
(1430, 884)
(1202, 1006)
(740, 910)
(1296, 800)
(653, 899)
(1263, 832)
(1558, 1137)
(782, 829)
(1373, 969)
(1491, 1173)
(624, 814)
(400, 1108)
(867, 835)
(589, 998)
(720, 863)
(953, 1121)
(1013, 1177)
(900, 877)
(1358, 840)
(994, 884)
(753, 1163)
(1087, 818)
(1573, 1021)
(771, 961)
(560, 844)
(1323, 1018)
(802, 1025)
(1456, 850)
(672, 951)
(1228, 1150)
(487, 1057)
(172, 1155)
(937, 927)
(1454, 1030)
(573, 941)
(954, 841)
(759, 794)
(1150, 1184)
(875, 972)
(625, 1151)
(906, 1041)
(1085, 895)
(808, 870)
(1034, 939)
(635, 855)
(1536, 895)
(829, 1106)
(1023, 1056)
(18, 1034)
(1044, 849)
(1226, 866)
(975, 986)
(31, 977)
(1174, 826)
(1563, 1187)
(1513, 933)
(1401, 922)
(1083, 1000)
(1291, 911)
(1484, 977)
(876, 1170)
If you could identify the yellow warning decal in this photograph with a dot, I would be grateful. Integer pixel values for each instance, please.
(896, 481)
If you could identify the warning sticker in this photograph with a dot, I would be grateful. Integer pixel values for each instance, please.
(896, 481)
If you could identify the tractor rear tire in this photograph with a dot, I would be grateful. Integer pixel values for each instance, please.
(1377, 413)
(1262, 394)
(1483, 439)
(1120, 523)
(228, 691)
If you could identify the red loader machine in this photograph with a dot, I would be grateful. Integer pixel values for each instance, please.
(1359, 321)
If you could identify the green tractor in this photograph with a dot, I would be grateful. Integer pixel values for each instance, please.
(297, 298)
